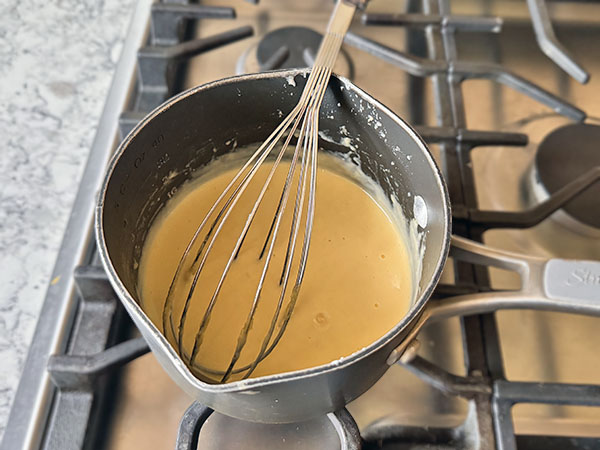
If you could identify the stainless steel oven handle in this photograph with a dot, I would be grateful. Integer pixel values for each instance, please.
(571, 286)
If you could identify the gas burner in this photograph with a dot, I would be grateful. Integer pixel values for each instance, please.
(564, 155)
(288, 48)
(333, 431)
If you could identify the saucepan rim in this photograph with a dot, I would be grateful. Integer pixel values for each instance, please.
(411, 317)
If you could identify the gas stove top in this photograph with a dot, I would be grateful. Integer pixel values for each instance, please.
(492, 88)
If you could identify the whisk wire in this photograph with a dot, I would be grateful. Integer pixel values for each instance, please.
(310, 124)
(304, 115)
(207, 314)
(206, 318)
(221, 218)
(265, 149)
(168, 307)
(298, 207)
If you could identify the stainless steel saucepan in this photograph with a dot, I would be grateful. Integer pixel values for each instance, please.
(190, 130)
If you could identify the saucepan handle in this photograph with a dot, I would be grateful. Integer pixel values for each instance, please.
(546, 284)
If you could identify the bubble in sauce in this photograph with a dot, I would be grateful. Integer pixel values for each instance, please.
(322, 319)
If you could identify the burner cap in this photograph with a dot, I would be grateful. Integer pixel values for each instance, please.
(297, 40)
(289, 48)
(333, 431)
(564, 155)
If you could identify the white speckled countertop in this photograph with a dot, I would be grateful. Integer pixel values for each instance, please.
(56, 63)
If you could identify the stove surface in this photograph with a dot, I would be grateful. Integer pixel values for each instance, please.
(536, 346)
(145, 406)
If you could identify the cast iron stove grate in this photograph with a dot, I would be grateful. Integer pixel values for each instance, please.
(68, 393)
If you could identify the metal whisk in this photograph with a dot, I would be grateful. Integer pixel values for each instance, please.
(305, 117)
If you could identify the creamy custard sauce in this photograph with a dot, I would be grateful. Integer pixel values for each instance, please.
(357, 285)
